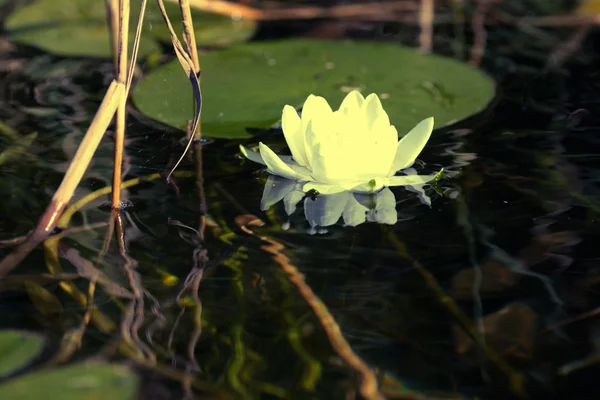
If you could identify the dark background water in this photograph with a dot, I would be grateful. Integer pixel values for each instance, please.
(518, 241)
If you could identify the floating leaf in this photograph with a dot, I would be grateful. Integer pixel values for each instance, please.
(79, 27)
(248, 85)
(77, 382)
(17, 349)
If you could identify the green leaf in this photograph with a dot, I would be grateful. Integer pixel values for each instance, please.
(77, 382)
(17, 350)
(248, 85)
(79, 27)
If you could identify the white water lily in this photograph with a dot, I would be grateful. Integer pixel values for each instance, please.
(354, 148)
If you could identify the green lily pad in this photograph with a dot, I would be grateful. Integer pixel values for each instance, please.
(77, 382)
(248, 85)
(17, 350)
(79, 27)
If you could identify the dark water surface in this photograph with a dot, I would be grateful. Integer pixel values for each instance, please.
(511, 235)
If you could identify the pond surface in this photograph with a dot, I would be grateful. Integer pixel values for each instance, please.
(505, 248)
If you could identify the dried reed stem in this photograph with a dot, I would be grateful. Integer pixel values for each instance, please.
(188, 33)
(426, 14)
(188, 66)
(121, 118)
(83, 156)
(112, 18)
(189, 38)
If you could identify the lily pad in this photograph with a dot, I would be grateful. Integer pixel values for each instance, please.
(17, 350)
(77, 382)
(79, 27)
(248, 85)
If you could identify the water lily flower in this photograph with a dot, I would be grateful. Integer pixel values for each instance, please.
(354, 148)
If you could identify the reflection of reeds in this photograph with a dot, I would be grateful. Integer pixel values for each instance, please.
(367, 380)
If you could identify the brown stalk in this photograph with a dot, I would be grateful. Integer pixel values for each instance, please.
(112, 17)
(561, 20)
(122, 76)
(83, 156)
(341, 11)
(368, 386)
(200, 188)
(426, 16)
(188, 33)
(479, 32)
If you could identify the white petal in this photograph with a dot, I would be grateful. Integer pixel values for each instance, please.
(252, 155)
(330, 164)
(372, 108)
(418, 189)
(277, 166)
(322, 188)
(314, 107)
(354, 213)
(384, 139)
(275, 190)
(325, 210)
(410, 180)
(316, 113)
(291, 200)
(420, 192)
(256, 157)
(411, 145)
(385, 208)
(294, 136)
(352, 102)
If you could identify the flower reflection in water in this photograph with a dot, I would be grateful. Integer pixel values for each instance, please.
(326, 210)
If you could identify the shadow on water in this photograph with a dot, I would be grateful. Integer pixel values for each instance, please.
(510, 236)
